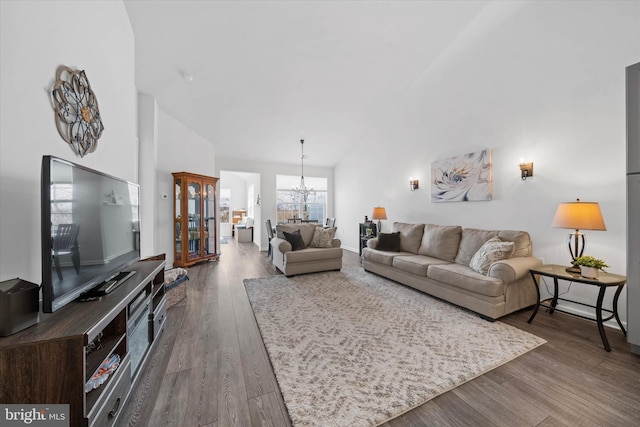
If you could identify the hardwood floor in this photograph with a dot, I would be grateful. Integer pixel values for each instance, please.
(211, 368)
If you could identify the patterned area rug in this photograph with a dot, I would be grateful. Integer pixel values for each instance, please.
(351, 348)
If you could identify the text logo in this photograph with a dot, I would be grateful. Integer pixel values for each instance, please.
(34, 415)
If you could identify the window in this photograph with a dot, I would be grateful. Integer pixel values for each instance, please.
(62, 203)
(225, 197)
(292, 204)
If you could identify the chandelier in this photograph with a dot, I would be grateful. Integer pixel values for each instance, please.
(302, 188)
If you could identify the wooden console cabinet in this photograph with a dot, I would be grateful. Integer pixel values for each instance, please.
(194, 216)
(50, 363)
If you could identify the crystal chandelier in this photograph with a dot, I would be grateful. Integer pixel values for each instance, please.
(302, 189)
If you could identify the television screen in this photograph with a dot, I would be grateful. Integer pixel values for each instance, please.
(90, 229)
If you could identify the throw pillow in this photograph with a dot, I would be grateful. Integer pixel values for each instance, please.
(491, 251)
(295, 239)
(322, 237)
(389, 242)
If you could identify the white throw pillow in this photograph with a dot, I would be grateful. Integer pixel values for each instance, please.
(491, 251)
(322, 237)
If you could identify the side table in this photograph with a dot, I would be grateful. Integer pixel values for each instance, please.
(604, 281)
(368, 231)
(363, 242)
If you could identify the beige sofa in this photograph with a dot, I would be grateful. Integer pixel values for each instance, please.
(307, 260)
(435, 259)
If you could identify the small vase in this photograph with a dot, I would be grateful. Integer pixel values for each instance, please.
(589, 272)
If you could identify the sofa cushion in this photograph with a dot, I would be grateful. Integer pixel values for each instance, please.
(410, 236)
(463, 277)
(415, 264)
(381, 257)
(313, 254)
(491, 251)
(440, 241)
(389, 242)
(295, 239)
(322, 237)
(470, 242)
(521, 240)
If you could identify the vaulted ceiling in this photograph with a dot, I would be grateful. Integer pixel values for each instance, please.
(266, 74)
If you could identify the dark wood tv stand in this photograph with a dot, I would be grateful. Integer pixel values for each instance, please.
(49, 363)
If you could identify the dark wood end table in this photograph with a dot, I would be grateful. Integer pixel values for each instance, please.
(604, 281)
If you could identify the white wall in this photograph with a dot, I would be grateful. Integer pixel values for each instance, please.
(179, 150)
(266, 186)
(542, 81)
(147, 162)
(34, 40)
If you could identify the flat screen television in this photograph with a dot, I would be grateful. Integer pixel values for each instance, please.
(90, 230)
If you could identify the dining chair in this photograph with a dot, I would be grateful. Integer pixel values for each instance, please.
(64, 243)
(270, 236)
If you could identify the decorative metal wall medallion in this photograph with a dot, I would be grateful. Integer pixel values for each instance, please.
(76, 108)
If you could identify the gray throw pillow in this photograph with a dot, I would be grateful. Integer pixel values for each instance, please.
(295, 239)
(322, 237)
(389, 242)
(493, 250)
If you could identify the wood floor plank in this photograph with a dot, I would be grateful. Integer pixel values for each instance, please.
(585, 401)
(233, 405)
(551, 422)
(491, 409)
(171, 405)
(213, 370)
(561, 408)
(456, 412)
(202, 405)
(182, 355)
(516, 403)
(202, 408)
(265, 411)
(259, 378)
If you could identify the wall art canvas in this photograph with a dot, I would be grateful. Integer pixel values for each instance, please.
(462, 178)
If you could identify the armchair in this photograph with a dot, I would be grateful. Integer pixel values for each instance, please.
(307, 260)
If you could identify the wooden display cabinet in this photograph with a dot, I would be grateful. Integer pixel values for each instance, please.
(195, 223)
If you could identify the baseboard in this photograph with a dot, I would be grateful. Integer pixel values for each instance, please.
(574, 310)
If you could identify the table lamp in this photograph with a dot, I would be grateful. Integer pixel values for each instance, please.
(578, 216)
(379, 213)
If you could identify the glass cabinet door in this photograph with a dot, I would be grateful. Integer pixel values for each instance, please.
(177, 218)
(194, 199)
(209, 219)
(194, 219)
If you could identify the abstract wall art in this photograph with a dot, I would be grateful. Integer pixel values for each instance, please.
(462, 178)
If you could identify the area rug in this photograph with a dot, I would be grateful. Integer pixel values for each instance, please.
(351, 348)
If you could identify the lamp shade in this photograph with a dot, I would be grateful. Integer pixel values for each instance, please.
(379, 213)
(579, 216)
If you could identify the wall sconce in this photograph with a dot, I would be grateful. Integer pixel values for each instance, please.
(526, 170)
(414, 184)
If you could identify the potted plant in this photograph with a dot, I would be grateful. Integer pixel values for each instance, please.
(590, 266)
